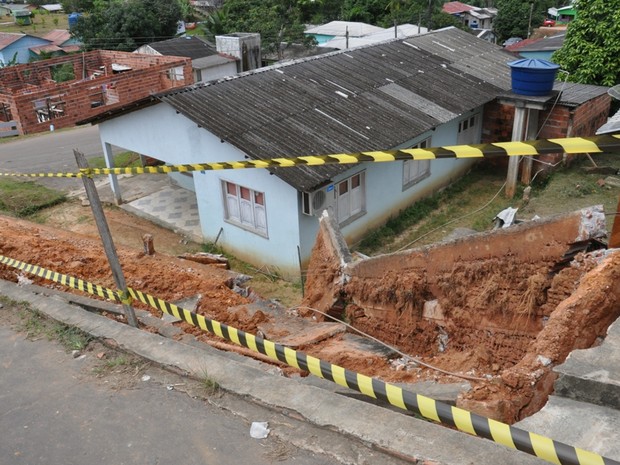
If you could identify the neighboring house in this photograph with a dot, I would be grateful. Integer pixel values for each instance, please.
(486, 34)
(563, 15)
(52, 8)
(22, 17)
(64, 40)
(434, 89)
(472, 16)
(18, 46)
(349, 29)
(402, 31)
(542, 48)
(207, 62)
(61, 91)
(62, 43)
(8, 9)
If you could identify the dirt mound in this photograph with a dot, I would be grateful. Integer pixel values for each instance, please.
(160, 275)
(500, 309)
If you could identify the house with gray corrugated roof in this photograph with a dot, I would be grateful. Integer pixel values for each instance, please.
(427, 90)
(207, 62)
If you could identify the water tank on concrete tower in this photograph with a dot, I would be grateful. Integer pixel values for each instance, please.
(532, 76)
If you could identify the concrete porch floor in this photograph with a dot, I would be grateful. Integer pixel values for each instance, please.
(155, 198)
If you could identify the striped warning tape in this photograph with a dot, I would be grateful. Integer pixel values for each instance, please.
(468, 422)
(63, 279)
(573, 145)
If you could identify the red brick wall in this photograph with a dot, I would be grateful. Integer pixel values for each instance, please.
(22, 85)
(558, 122)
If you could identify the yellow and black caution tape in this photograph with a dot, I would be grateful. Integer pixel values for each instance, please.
(468, 422)
(63, 279)
(572, 145)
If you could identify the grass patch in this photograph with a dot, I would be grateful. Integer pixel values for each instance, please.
(36, 325)
(208, 384)
(70, 337)
(431, 213)
(23, 198)
(42, 23)
(115, 362)
(472, 202)
(121, 160)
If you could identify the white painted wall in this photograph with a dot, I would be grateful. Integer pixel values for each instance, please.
(216, 72)
(160, 132)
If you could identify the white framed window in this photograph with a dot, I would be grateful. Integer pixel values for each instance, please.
(351, 198)
(416, 170)
(176, 73)
(468, 130)
(245, 207)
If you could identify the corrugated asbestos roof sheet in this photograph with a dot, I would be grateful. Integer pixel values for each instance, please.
(574, 94)
(190, 47)
(373, 97)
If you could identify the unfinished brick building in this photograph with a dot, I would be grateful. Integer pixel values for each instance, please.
(58, 92)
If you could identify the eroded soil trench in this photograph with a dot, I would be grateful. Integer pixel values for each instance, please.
(498, 309)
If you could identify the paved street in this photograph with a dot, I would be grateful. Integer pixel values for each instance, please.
(54, 411)
(50, 153)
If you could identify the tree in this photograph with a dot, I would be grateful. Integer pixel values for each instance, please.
(127, 24)
(79, 6)
(518, 18)
(590, 54)
(214, 25)
(279, 22)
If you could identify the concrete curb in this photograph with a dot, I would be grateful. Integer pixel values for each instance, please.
(384, 429)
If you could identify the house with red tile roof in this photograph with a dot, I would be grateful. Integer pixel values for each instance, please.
(15, 48)
(472, 16)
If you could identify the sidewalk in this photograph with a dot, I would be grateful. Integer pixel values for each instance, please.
(382, 429)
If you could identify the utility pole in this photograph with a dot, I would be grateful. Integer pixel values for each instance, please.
(106, 239)
(529, 24)
(430, 15)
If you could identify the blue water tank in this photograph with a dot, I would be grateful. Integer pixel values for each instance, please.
(532, 76)
(73, 19)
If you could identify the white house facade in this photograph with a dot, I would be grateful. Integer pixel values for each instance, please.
(400, 94)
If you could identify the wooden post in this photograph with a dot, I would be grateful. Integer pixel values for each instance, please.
(106, 238)
(532, 132)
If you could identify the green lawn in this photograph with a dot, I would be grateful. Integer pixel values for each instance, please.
(42, 23)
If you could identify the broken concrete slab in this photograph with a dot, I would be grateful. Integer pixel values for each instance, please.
(612, 181)
(580, 424)
(189, 303)
(593, 375)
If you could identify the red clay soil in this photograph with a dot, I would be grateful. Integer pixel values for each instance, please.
(504, 321)
(510, 352)
(166, 277)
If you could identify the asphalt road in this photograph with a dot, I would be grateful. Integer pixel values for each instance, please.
(50, 153)
(51, 413)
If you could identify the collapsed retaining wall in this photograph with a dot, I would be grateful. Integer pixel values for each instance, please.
(504, 306)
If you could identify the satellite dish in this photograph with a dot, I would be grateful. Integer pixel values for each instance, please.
(614, 92)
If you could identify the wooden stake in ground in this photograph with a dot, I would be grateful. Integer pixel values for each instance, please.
(106, 238)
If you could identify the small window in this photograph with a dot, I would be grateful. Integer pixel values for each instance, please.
(245, 207)
(351, 202)
(416, 170)
(176, 73)
(469, 130)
